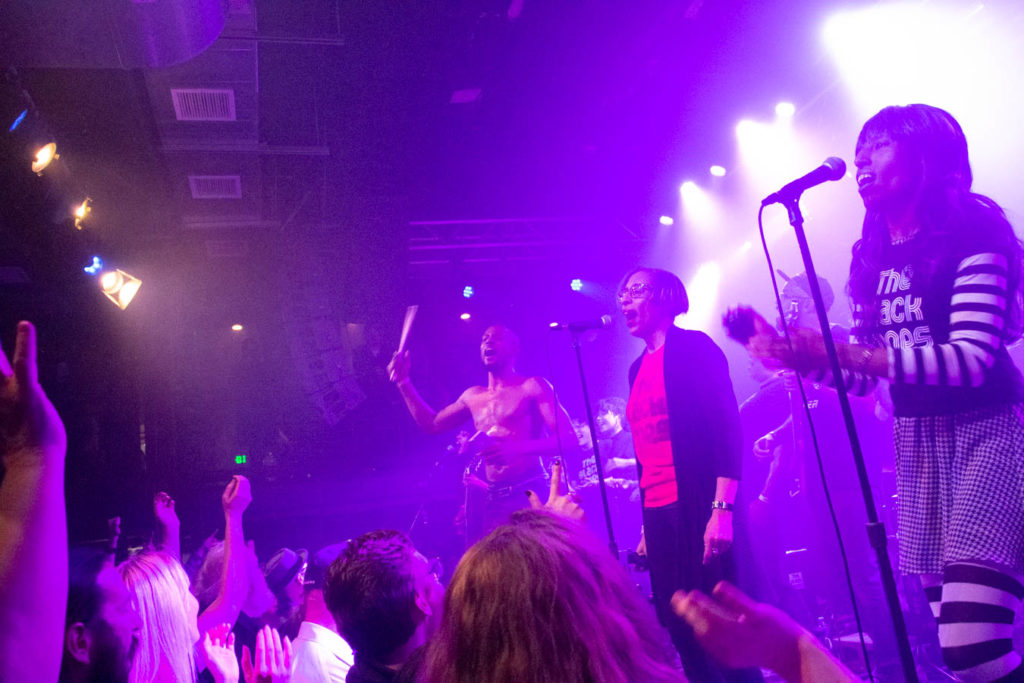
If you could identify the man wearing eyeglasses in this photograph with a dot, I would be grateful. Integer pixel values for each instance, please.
(517, 422)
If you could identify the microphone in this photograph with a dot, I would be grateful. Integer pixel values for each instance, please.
(833, 169)
(583, 325)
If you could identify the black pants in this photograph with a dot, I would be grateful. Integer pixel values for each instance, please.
(487, 510)
(674, 556)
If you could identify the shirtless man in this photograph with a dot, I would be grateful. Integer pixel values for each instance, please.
(517, 421)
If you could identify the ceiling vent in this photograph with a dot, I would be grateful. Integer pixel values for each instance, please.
(204, 104)
(215, 186)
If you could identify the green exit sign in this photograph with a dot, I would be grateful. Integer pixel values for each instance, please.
(240, 459)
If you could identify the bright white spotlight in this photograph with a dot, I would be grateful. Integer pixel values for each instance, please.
(120, 287)
(576, 285)
(44, 157)
(237, 327)
(785, 110)
(698, 206)
(666, 220)
(81, 211)
(953, 56)
(465, 316)
(717, 171)
(702, 292)
(468, 292)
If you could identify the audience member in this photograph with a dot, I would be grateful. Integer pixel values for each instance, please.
(284, 574)
(387, 604)
(541, 599)
(33, 529)
(170, 614)
(218, 648)
(101, 627)
(320, 654)
(740, 632)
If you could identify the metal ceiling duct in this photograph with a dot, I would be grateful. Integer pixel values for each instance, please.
(107, 34)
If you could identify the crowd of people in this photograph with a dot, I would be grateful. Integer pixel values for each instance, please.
(536, 596)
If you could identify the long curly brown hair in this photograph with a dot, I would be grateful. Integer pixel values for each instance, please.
(540, 599)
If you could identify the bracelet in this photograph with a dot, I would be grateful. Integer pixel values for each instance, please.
(721, 505)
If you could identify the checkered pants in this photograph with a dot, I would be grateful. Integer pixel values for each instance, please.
(961, 489)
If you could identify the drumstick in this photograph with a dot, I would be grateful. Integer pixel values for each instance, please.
(410, 315)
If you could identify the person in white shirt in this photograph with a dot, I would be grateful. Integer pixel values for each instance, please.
(319, 654)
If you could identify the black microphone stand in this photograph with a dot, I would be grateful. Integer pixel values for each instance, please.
(875, 527)
(612, 546)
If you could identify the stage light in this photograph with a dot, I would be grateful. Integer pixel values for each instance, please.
(703, 295)
(81, 211)
(666, 220)
(237, 327)
(717, 171)
(785, 110)
(120, 287)
(44, 157)
(698, 207)
(464, 316)
(95, 267)
(955, 57)
(18, 121)
(468, 292)
(576, 284)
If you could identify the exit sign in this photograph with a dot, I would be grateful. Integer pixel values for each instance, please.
(240, 459)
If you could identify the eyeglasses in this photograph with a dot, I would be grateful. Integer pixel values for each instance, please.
(634, 291)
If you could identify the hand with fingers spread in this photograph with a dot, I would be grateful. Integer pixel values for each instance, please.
(273, 658)
(741, 632)
(564, 505)
(218, 648)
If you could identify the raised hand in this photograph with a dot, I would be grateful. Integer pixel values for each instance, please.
(398, 368)
(273, 658)
(30, 428)
(565, 505)
(163, 510)
(237, 495)
(218, 647)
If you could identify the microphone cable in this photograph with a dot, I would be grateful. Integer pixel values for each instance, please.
(817, 449)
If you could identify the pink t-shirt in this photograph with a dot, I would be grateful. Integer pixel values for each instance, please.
(647, 412)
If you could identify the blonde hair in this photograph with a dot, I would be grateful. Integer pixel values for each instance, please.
(159, 590)
(540, 599)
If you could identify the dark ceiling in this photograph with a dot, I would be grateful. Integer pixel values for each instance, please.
(346, 145)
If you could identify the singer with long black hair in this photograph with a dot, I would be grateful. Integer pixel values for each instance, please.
(686, 432)
(935, 287)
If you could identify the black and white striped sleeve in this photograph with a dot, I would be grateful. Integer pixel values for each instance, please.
(977, 321)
